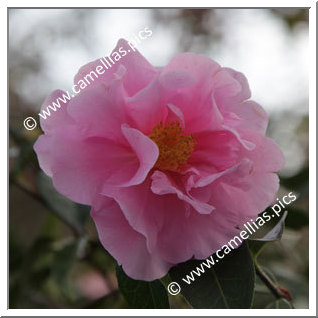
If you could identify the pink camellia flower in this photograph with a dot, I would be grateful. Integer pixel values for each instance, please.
(172, 160)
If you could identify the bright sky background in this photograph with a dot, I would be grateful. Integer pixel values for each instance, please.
(255, 42)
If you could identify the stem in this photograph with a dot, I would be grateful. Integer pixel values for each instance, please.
(39, 199)
(32, 194)
(276, 290)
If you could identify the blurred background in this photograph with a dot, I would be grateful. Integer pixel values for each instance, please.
(55, 258)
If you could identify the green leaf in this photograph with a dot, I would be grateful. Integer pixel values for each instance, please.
(75, 215)
(297, 218)
(31, 273)
(298, 182)
(257, 243)
(227, 284)
(113, 300)
(262, 296)
(63, 262)
(256, 247)
(140, 294)
(26, 152)
(279, 304)
(275, 233)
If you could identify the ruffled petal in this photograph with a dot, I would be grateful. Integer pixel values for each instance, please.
(193, 235)
(43, 147)
(247, 116)
(150, 105)
(215, 151)
(146, 151)
(100, 110)
(196, 102)
(244, 198)
(53, 114)
(267, 156)
(139, 71)
(243, 93)
(162, 184)
(82, 166)
(143, 209)
(125, 244)
(146, 109)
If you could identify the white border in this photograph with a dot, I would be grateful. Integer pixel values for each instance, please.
(312, 157)
(163, 3)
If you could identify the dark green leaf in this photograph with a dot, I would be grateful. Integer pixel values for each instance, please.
(279, 304)
(299, 182)
(262, 297)
(296, 218)
(73, 214)
(63, 262)
(31, 273)
(140, 294)
(256, 247)
(227, 284)
(99, 257)
(275, 233)
(257, 243)
(26, 152)
(113, 300)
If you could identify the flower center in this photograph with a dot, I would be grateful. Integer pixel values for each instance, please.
(174, 147)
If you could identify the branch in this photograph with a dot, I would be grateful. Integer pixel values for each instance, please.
(39, 199)
(278, 291)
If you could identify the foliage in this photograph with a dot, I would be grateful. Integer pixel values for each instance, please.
(44, 274)
(53, 244)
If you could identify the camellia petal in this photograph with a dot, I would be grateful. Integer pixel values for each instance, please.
(173, 160)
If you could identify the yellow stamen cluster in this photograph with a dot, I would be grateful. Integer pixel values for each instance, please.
(174, 147)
